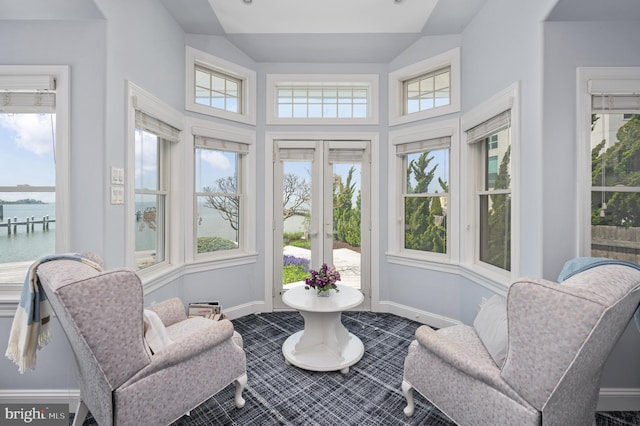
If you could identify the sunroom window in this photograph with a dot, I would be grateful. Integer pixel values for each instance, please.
(427, 91)
(217, 90)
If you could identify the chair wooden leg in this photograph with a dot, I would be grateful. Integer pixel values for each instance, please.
(241, 382)
(407, 390)
(81, 414)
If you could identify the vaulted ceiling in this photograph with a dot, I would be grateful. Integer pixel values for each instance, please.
(359, 31)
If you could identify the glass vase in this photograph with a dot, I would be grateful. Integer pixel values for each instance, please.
(323, 292)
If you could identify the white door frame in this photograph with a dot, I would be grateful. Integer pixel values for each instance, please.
(371, 299)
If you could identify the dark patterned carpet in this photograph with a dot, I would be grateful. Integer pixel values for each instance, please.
(369, 394)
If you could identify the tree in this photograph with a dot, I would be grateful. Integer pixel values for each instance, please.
(422, 230)
(498, 241)
(296, 193)
(346, 217)
(619, 165)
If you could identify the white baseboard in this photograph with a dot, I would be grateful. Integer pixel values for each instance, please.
(245, 309)
(41, 396)
(619, 399)
(433, 320)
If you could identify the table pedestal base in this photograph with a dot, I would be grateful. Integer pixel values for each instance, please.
(319, 357)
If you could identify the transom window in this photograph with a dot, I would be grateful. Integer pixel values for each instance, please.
(217, 90)
(431, 90)
(323, 101)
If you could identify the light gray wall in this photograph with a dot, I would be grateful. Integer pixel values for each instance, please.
(81, 45)
(568, 45)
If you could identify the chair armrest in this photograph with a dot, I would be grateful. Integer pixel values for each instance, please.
(471, 359)
(210, 335)
(170, 311)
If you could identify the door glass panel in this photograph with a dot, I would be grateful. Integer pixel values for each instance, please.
(346, 240)
(296, 216)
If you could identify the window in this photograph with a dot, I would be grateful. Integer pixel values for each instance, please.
(614, 210)
(224, 214)
(422, 220)
(431, 90)
(322, 99)
(492, 149)
(155, 131)
(425, 194)
(219, 201)
(34, 179)
(426, 89)
(219, 88)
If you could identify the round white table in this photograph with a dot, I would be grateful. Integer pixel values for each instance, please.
(324, 344)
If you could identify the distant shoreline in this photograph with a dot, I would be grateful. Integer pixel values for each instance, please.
(27, 201)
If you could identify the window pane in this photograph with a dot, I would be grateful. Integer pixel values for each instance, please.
(217, 227)
(427, 172)
(615, 206)
(428, 91)
(300, 111)
(425, 226)
(218, 90)
(425, 217)
(495, 230)
(149, 238)
(27, 149)
(498, 175)
(218, 209)
(146, 160)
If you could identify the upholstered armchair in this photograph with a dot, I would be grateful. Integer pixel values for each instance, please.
(559, 337)
(122, 380)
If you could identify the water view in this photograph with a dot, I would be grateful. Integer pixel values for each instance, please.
(21, 245)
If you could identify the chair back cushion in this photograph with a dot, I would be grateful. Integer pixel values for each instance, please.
(101, 314)
(560, 335)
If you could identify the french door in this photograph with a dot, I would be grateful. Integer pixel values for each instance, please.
(321, 212)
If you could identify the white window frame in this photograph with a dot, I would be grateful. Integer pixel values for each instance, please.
(396, 251)
(139, 99)
(247, 78)
(18, 76)
(370, 81)
(594, 80)
(397, 78)
(489, 275)
(247, 252)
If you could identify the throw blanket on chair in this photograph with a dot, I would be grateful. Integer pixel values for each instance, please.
(579, 264)
(31, 328)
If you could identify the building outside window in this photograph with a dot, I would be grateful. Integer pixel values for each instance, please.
(32, 117)
(218, 198)
(425, 194)
(492, 147)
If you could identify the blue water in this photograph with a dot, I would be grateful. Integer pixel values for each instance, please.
(22, 245)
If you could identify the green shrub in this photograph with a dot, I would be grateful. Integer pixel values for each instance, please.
(292, 274)
(209, 244)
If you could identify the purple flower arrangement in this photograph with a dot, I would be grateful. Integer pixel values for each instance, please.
(323, 279)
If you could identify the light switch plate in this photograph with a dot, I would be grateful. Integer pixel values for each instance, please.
(117, 176)
(117, 195)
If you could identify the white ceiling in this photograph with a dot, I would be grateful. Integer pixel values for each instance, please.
(321, 31)
(322, 17)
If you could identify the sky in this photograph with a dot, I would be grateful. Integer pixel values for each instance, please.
(26, 154)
